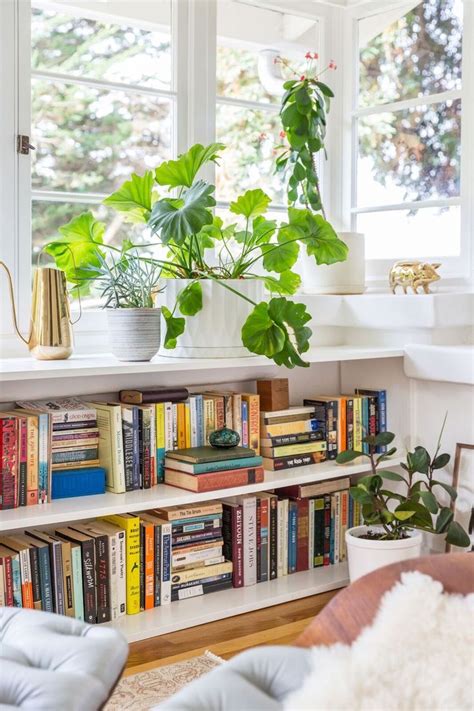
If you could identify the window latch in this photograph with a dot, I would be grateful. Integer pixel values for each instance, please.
(23, 145)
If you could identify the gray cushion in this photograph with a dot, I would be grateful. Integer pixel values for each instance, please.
(54, 662)
(256, 680)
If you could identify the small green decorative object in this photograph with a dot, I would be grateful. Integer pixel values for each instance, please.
(225, 438)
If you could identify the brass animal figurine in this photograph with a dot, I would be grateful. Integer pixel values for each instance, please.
(414, 275)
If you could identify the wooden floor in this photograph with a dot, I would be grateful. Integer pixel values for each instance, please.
(273, 625)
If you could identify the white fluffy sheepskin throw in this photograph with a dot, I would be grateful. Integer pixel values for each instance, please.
(418, 655)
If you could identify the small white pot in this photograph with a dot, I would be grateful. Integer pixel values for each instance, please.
(214, 332)
(365, 555)
(341, 278)
(134, 334)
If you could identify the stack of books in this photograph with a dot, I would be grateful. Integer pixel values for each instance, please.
(201, 469)
(198, 565)
(291, 438)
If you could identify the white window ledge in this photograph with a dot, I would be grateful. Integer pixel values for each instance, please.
(449, 364)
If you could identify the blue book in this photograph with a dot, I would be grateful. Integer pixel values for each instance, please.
(381, 396)
(292, 535)
(365, 421)
(46, 584)
(200, 420)
(16, 580)
(157, 565)
(245, 423)
(165, 563)
(218, 466)
(44, 458)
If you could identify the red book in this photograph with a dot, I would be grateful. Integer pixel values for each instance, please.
(302, 541)
(214, 480)
(327, 529)
(8, 462)
(232, 524)
(6, 571)
(258, 505)
(22, 461)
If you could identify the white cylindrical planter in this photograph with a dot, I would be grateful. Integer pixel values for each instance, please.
(341, 278)
(134, 334)
(214, 332)
(365, 555)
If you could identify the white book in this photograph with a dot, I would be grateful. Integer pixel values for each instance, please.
(168, 426)
(165, 562)
(285, 537)
(201, 557)
(109, 422)
(249, 521)
(193, 421)
(76, 566)
(311, 533)
(154, 473)
(280, 534)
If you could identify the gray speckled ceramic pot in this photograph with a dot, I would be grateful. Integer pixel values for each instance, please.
(134, 334)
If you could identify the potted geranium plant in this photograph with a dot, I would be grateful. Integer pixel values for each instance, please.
(304, 108)
(395, 518)
(127, 284)
(217, 273)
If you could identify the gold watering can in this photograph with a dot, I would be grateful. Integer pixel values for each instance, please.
(50, 336)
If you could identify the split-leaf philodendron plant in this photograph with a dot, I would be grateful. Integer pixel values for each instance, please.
(178, 208)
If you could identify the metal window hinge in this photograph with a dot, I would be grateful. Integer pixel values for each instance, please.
(23, 145)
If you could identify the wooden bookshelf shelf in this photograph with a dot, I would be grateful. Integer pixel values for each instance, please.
(235, 601)
(86, 507)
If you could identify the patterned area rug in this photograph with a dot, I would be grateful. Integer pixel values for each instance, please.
(142, 691)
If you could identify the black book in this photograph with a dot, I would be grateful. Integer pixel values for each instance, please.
(273, 537)
(102, 571)
(56, 559)
(89, 584)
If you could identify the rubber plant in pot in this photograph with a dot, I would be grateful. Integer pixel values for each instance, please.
(214, 303)
(126, 281)
(304, 108)
(395, 518)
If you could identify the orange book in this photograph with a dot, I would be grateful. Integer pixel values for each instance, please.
(253, 403)
(181, 412)
(148, 563)
(342, 425)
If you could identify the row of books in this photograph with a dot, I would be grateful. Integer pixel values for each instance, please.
(36, 441)
(102, 569)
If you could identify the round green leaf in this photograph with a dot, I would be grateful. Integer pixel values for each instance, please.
(441, 461)
(174, 328)
(190, 299)
(180, 218)
(260, 334)
(282, 256)
(251, 204)
(181, 172)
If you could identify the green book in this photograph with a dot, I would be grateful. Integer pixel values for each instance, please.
(199, 455)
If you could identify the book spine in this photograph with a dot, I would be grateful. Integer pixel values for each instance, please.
(301, 460)
(187, 421)
(153, 469)
(285, 538)
(292, 536)
(177, 514)
(169, 437)
(273, 553)
(35, 577)
(249, 508)
(76, 455)
(337, 526)
(16, 580)
(318, 532)
(245, 424)
(200, 420)
(47, 599)
(258, 517)
(157, 565)
(237, 414)
(121, 573)
(127, 429)
(22, 460)
(193, 422)
(301, 438)
(26, 582)
(209, 418)
(264, 538)
(332, 540)
(88, 581)
(8, 581)
(302, 534)
(382, 417)
(197, 536)
(142, 567)
(254, 421)
(310, 533)
(219, 412)
(149, 566)
(342, 427)
(365, 421)
(357, 424)
(113, 570)
(160, 442)
(288, 451)
(136, 471)
(32, 461)
(218, 480)
(181, 414)
(8, 462)
(203, 525)
(218, 466)
(76, 565)
(280, 534)
(202, 554)
(64, 426)
(131, 525)
(198, 574)
(286, 428)
(350, 423)
(344, 523)
(165, 563)
(58, 579)
(67, 578)
(198, 588)
(146, 448)
(327, 529)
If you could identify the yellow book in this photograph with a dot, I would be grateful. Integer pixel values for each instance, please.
(187, 412)
(181, 410)
(357, 424)
(160, 441)
(131, 525)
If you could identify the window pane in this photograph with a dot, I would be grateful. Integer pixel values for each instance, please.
(90, 140)
(248, 161)
(115, 50)
(411, 234)
(419, 53)
(409, 155)
(245, 34)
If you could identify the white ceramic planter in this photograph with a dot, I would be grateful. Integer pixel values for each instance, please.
(134, 334)
(341, 278)
(366, 555)
(215, 332)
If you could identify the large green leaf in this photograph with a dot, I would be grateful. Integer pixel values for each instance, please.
(457, 536)
(190, 299)
(182, 172)
(448, 488)
(174, 328)
(287, 283)
(445, 517)
(133, 197)
(180, 218)
(77, 251)
(441, 461)
(260, 334)
(251, 204)
(349, 455)
(293, 319)
(282, 256)
(419, 460)
(320, 238)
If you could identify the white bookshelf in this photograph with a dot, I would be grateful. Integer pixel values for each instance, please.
(226, 603)
(333, 369)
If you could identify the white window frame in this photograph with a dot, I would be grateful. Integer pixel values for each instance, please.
(457, 271)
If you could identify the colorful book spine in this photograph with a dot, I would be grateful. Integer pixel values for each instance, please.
(253, 404)
(160, 442)
(302, 534)
(8, 462)
(249, 507)
(264, 538)
(128, 449)
(292, 536)
(76, 565)
(214, 481)
(22, 461)
(245, 423)
(357, 424)
(273, 537)
(210, 467)
(318, 559)
(131, 525)
(300, 460)
(165, 563)
(310, 533)
(47, 601)
(327, 529)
